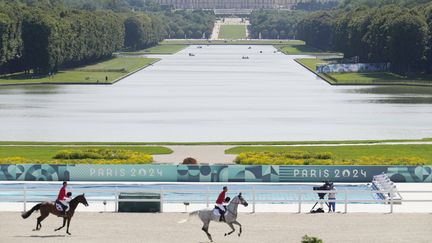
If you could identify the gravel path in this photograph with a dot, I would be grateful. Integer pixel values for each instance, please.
(260, 227)
(203, 154)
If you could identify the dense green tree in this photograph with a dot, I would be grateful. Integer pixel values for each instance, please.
(407, 42)
(317, 29)
(268, 22)
(10, 38)
(193, 23)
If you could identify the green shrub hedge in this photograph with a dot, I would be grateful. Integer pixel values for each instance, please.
(87, 156)
(323, 158)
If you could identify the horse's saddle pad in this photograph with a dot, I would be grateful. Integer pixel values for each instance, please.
(60, 208)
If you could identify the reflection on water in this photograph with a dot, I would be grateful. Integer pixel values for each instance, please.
(398, 94)
(216, 96)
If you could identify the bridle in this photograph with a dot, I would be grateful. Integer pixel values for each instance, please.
(235, 214)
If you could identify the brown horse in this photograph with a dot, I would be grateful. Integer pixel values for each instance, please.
(46, 208)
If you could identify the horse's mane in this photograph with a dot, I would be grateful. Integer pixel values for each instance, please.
(75, 199)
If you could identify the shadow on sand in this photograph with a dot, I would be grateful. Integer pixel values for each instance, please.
(41, 236)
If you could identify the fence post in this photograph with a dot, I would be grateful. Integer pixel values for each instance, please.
(253, 199)
(299, 203)
(346, 201)
(391, 200)
(208, 197)
(162, 200)
(25, 197)
(116, 202)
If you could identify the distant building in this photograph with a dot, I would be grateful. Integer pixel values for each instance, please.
(233, 4)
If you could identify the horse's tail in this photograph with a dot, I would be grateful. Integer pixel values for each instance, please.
(187, 219)
(25, 215)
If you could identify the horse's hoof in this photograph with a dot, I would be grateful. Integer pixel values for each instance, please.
(68, 233)
(226, 234)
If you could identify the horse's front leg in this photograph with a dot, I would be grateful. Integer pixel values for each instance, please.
(64, 223)
(232, 227)
(237, 223)
(67, 229)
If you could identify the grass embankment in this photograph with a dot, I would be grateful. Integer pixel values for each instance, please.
(302, 49)
(231, 42)
(370, 78)
(76, 155)
(232, 32)
(159, 49)
(417, 154)
(113, 69)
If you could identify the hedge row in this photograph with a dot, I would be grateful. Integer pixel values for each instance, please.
(326, 158)
(87, 156)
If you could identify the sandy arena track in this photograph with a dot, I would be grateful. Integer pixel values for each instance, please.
(259, 227)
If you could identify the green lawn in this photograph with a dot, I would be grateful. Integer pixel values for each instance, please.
(371, 78)
(114, 69)
(159, 49)
(231, 42)
(232, 32)
(301, 49)
(351, 152)
(47, 152)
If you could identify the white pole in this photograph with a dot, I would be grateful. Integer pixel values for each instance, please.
(208, 196)
(253, 199)
(161, 200)
(116, 200)
(25, 197)
(391, 200)
(299, 203)
(346, 202)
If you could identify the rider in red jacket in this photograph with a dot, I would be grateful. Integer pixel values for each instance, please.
(219, 203)
(61, 198)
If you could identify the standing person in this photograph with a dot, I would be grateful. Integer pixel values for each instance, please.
(332, 198)
(61, 198)
(219, 203)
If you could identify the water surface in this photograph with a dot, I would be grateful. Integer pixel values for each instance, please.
(216, 96)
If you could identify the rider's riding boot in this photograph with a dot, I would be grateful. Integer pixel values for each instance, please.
(222, 218)
(63, 214)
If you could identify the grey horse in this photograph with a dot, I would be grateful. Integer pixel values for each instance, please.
(206, 215)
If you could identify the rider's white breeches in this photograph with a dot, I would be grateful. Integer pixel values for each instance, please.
(221, 206)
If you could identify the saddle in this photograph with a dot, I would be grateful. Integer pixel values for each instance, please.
(59, 206)
(216, 211)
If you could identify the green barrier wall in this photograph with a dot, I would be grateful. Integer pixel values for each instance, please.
(211, 173)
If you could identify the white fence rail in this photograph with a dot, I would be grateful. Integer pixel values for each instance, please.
(250, 196)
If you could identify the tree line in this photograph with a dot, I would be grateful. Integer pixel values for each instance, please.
(43, 36)
(272, 24)
(394, 31)
(390, 33)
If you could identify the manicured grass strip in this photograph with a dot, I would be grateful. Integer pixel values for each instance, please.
(302, 49)
(231, 42)
(423, 151)
(159, 49)
(47, 152)
(114, 69)
(214, 143)
(371, 78)
(232, 32)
